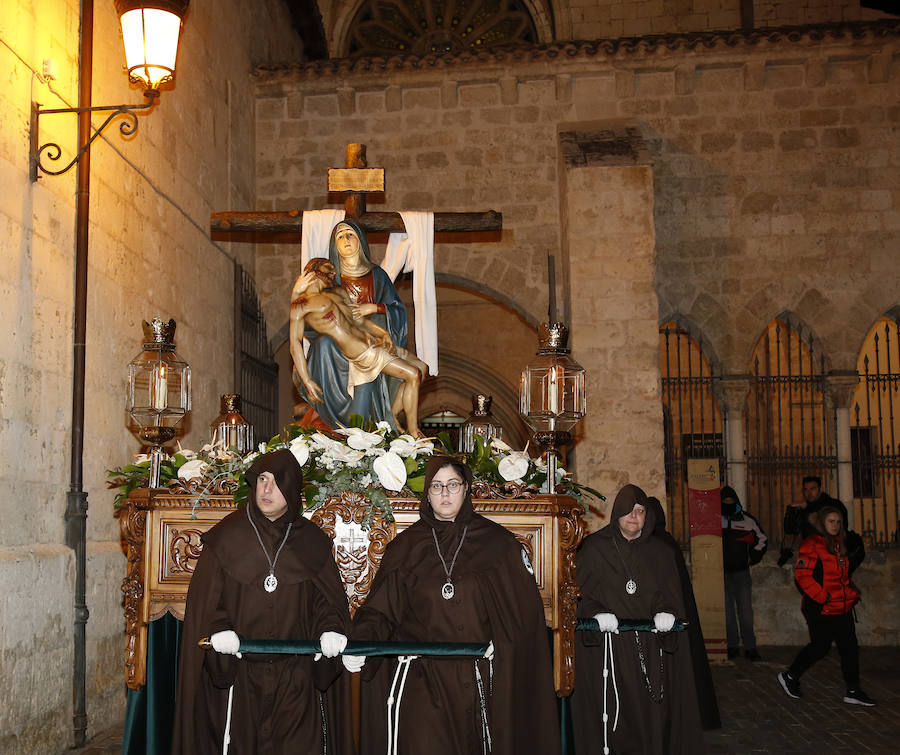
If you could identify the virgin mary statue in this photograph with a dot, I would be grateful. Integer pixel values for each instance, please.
(372, 295)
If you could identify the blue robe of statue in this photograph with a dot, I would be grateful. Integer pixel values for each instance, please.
(329, 368)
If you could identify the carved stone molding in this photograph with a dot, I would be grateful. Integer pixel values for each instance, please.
(785, 36)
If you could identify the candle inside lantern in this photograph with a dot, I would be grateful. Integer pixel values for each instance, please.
(553, 390)
(160, 388)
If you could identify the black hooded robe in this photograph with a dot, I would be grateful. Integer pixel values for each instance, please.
(496, 598)
(279, 700)
(671, 725)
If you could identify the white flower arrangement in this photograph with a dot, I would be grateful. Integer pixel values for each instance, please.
(371, 460)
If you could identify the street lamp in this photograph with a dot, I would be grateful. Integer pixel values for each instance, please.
(151, 30)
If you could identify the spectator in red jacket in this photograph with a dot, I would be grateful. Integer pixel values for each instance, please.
(822, 573)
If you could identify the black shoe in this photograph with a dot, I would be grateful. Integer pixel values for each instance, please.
(791, 685)
(733, 653)
(858, 697)
(752, 655)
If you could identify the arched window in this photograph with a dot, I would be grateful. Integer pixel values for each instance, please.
(789, 431)
(421, 27)
(691, 415)
(875, 435)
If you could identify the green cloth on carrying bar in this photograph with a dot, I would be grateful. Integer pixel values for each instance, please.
(368, 649)
(627, 625)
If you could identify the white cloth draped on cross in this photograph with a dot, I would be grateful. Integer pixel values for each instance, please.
(412, 251)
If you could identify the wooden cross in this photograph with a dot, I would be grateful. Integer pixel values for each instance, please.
(355, 181)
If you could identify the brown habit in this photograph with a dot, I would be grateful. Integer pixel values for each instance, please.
(606, 561)
(278, 699)
(496, 598)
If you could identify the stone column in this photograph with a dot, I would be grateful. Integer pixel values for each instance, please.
(732, 393)
(839, 386)
(609, 263)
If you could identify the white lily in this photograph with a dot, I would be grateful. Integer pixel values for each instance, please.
(192, 469)
(407, 446)
(514, 466)
(300, 449)
(391, 471)
(383, 427)
(337, 452)
(141, 458)
(359, 439)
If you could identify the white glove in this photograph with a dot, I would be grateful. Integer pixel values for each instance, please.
(353, 663)
(332, 643)
(607, 622)
(489, 653)
(226, 642)
(664, 622)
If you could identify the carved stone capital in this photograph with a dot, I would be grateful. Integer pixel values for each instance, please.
(839, 387)
(731, 391)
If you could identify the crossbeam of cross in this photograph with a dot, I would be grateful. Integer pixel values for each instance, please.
(354, 181)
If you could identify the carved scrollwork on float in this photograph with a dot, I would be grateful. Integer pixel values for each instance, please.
(184, 550)
(132, 525)
(197, 487)
(527, 542)
(571, 533)
(508, 490)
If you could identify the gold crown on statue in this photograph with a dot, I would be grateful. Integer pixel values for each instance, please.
(158, 333)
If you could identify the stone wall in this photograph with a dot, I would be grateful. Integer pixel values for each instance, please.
(775, 189)
(149, 254)
(776, 601)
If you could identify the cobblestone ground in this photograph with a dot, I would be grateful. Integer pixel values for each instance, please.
(758, 717)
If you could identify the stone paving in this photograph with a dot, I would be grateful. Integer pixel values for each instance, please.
(757, 716)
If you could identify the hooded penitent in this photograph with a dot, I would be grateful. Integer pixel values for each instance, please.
(495, 597)
(278, 700)
(657, 711)
(706, 691)
(329, 368)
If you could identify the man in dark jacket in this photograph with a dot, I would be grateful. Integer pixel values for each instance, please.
(743, 544)
(798, 516)
(799, 521)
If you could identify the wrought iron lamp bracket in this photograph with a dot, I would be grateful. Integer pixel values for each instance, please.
(128, 127)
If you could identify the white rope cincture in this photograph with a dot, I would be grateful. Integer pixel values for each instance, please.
(393, 702)
(609, 669)
(226, 739)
